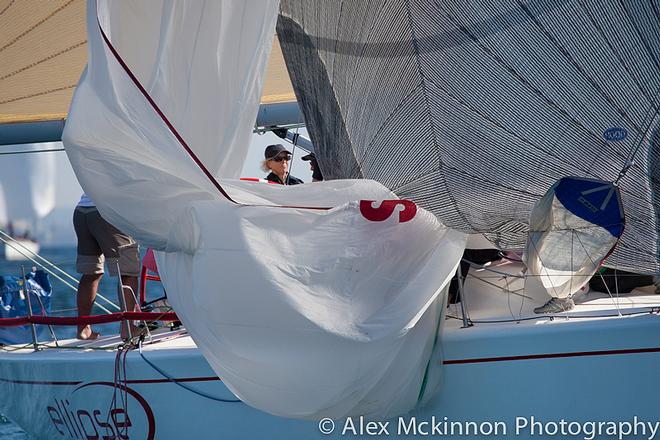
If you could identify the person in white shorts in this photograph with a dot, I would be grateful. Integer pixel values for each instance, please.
(98, 240)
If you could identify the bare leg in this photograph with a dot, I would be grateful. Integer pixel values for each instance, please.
(85, 300)
(129, 300)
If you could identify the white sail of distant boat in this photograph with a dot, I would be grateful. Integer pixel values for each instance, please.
(27, 184)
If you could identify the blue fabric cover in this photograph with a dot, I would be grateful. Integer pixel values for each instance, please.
(12, 306)
(588, 199)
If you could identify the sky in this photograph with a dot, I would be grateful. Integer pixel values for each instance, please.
(56, 229)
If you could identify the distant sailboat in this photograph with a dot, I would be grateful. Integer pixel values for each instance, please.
(27, 187)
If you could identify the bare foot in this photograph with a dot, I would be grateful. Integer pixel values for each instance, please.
(86, 333)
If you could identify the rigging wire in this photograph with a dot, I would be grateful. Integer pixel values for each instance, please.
(11, 242)
(615, 302)
(3, 153)
(630, 160)
(36, 255)
(646, 311)
(293, 154)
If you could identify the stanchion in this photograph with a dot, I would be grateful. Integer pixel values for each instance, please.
(24, 288)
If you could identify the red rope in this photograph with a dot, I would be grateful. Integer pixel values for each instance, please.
(85, 320)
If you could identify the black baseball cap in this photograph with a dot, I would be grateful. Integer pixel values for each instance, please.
(273, 150)
(309, 156)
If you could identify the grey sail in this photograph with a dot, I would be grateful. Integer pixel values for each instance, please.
(473, 109)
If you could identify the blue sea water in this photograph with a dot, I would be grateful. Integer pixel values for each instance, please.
(63, 303)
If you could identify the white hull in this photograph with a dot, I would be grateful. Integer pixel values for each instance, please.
(20, 249)
(583, 368)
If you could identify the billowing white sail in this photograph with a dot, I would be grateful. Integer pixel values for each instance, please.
(201, 63)
(316, 300)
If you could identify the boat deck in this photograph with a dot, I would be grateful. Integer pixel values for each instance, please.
(495, 298)
(498, 297)
(158, 340)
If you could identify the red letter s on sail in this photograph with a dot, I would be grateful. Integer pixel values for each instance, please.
(386, 209)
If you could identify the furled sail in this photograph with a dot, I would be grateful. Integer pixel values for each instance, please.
(330, 293)
(472, 109)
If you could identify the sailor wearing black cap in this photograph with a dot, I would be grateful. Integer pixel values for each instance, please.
(276, 160)
(314, 166)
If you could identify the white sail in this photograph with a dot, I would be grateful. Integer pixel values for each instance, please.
(308, 301)
(28, 186)
(201, 62)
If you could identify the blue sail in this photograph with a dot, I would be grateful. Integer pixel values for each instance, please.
(595, 201)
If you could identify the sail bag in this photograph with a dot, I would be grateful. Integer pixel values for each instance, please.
(573, 228)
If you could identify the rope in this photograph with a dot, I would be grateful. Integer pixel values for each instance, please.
(185, 387)
(600, 274)
(120, 386)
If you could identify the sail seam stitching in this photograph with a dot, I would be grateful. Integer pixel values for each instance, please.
(616, 53)
(45, 92)
(650, 52)
(43, 60)
(7, 7)
(550, 102)
(572, 61)
(36, 25)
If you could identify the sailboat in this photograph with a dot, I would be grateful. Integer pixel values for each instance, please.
(27, 184)
(440, 126)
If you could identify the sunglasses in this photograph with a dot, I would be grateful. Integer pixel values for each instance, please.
(281, 158)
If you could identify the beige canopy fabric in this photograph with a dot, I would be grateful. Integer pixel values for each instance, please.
(43, 50)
